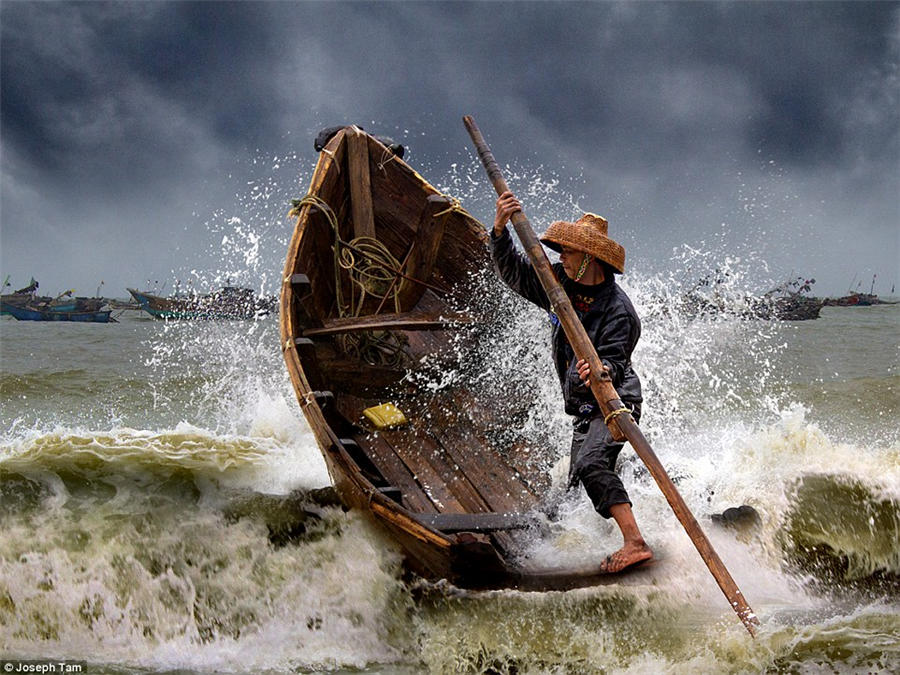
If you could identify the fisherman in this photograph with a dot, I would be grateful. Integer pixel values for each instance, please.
(588, 261)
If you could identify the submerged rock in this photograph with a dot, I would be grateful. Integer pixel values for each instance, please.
(289, 519)
(742, 517)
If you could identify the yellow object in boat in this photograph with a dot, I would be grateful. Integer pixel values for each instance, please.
(385, 416)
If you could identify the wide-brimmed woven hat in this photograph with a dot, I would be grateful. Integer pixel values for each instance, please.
(588, 234)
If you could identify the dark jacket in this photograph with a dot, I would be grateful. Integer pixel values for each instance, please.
(611, 324)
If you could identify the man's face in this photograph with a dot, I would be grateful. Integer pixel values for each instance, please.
(571, 260)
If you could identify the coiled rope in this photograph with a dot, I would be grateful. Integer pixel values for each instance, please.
(372, 271)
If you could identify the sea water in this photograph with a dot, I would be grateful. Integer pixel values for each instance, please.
(161, 506)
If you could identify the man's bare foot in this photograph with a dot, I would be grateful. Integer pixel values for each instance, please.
(628, 555)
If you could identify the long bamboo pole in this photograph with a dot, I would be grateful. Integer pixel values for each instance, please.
(618, 419)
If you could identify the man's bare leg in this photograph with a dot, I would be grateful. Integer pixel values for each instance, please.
(635, 549)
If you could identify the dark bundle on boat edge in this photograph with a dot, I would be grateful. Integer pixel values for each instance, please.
(376, 265)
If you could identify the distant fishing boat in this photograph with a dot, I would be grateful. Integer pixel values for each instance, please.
(786, 302)
(231, 302)
(13, 300)
(853, 300)
(857, 299)
(792, 308)
(22, 296)
(790, 302)
(66, 302)
(29, 313)
(25, 305)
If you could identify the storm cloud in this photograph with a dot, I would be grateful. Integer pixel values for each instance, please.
(139, 139)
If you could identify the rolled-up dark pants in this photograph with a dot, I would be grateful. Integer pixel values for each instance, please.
(593, 461)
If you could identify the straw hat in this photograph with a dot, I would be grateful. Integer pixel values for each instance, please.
(587, 234)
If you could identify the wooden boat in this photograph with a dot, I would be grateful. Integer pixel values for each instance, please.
(32, 313)
(786, 302)
(16, 299)
(28, 296)
(796, 308)
(65, 303)
(378, 266)
(857, 299)
(231, 302)
(20, 297)
(790, 301)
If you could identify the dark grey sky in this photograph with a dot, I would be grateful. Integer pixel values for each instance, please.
(155, 141)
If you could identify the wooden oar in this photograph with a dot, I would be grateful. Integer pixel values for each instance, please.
(617, 417)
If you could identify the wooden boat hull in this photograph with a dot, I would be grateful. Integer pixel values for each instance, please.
(40, 303)
(379, 270)
(856, 300)
(164, 308)
(230, 303)
(794, 308)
